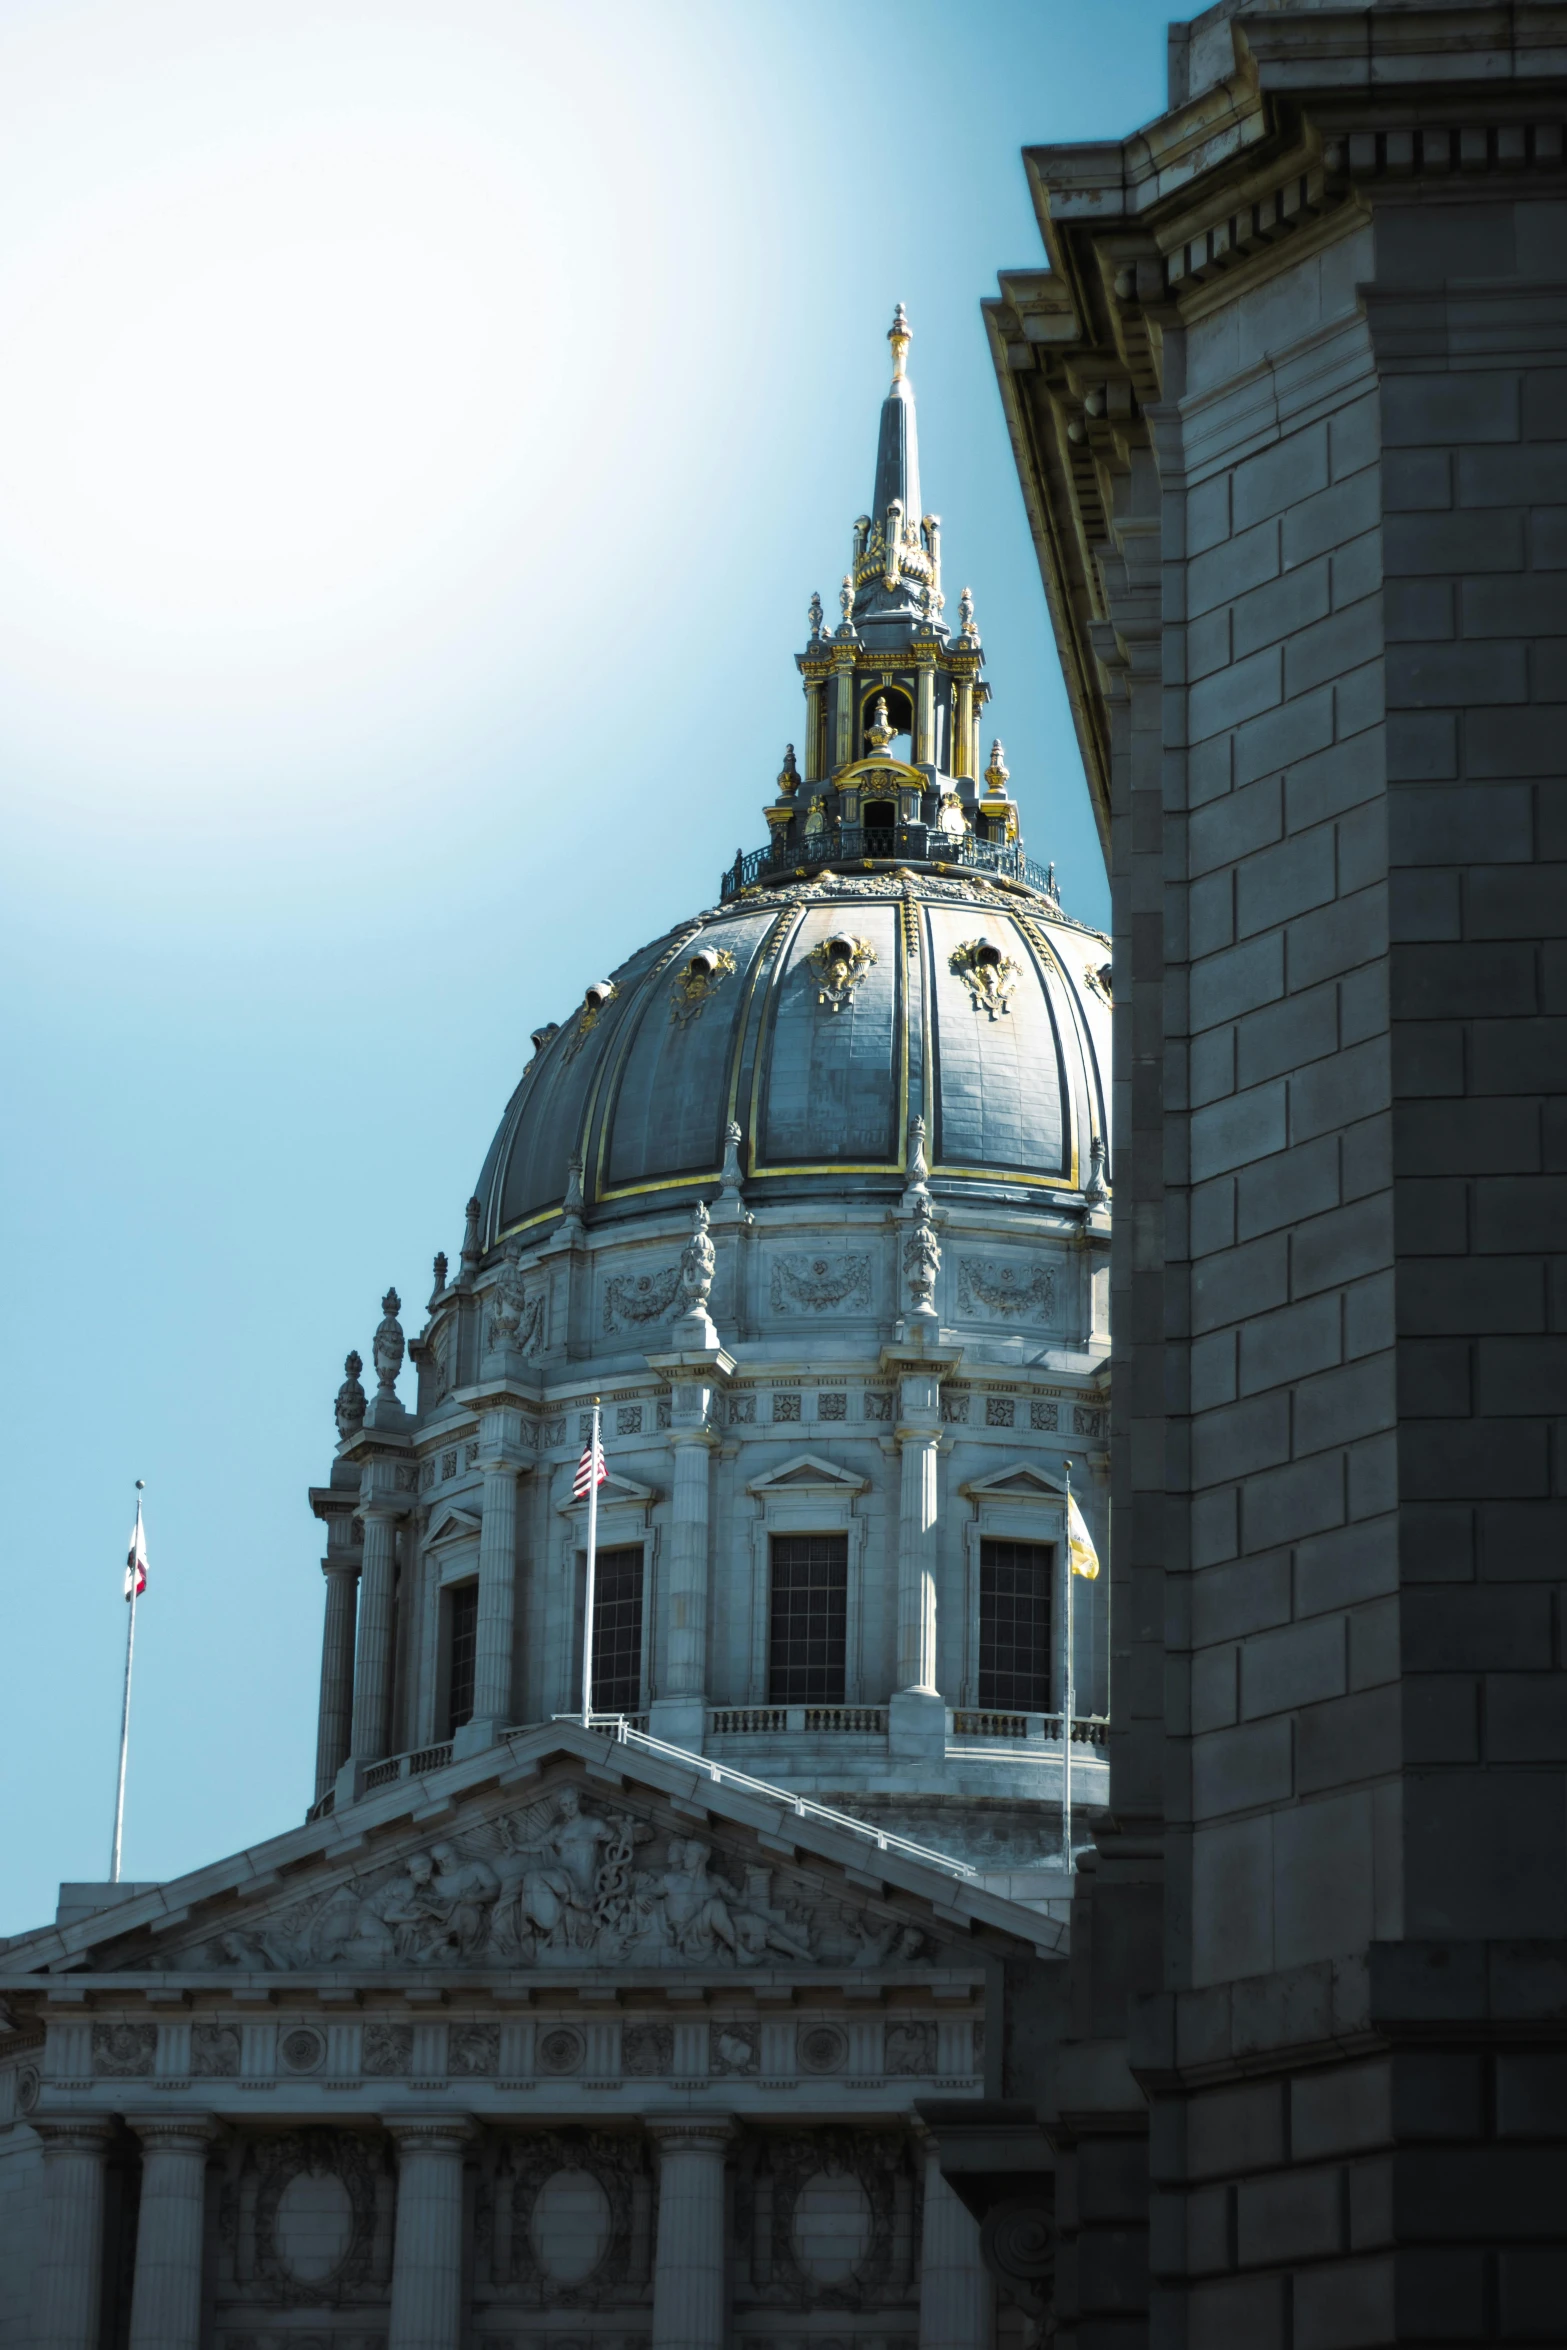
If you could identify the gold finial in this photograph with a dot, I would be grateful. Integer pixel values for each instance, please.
(879, 731)
(900, 334)
(996, 774)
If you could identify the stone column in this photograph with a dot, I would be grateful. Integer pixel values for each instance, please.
(917, 1719)
(957, 2305)
(170, 2229)
(500, 1457)
(925, 718)
(813, 730)
(690, 2310)
(679, 1711)
(334, 1722)
(427, 2266)
(68, 2271)
(373, 1669)
(963, 729)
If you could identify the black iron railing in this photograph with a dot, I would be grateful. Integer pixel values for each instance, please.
(855, 844)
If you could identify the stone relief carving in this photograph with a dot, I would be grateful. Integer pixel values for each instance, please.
(1086, 1422)
(1044, 1415)
(551, 1885)
(300, 2218)
(388, 1348)
(840, 964)
(878, 1403)
(214, 2050)
(636, 1299)
(646, 2049)
(123, 2051)
(911, 2048)
(302, 2050)
(388, 2049)
(830, 2217)
(988, 974)
(516, 1320)
(815, 1285)
(473, 2048)
(1000, 1411)
(349, 1408)
(603, 2180)
(822, 2048)
(988, 1288)
(733, 2048)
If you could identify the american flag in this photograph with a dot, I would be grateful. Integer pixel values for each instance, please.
(590, 1469)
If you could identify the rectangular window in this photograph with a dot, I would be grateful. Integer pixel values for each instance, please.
(1015, 1583)
(809, 1619)
(462, 1642)
(617, 1630)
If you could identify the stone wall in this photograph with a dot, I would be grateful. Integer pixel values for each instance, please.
(1291, 411)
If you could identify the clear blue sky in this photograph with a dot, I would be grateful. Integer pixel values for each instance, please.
(422, 425)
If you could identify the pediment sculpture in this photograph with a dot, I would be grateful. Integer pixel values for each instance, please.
(557, 1884)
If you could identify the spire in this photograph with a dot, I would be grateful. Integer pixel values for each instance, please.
(896, 575)
(898, 448)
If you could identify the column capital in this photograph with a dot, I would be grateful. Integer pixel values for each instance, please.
(72, 2134)
(435, 2133)
(341, 1564)
(693, 2133)
(175, 2132)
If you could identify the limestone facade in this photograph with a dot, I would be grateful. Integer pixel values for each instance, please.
(1290, 409)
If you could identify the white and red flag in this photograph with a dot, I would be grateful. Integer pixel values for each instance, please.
(136, 1561)
(591, 1471)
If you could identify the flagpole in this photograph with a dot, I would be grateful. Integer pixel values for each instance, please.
(125, 1701)
(1068, 1693)
(593, 1539)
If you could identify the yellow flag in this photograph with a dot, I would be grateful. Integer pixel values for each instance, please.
(1080, 1544)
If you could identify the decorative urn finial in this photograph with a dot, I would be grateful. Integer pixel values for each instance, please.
(472, 1245)
(788, 773)
(879, 732)
(388, 1347)
(997, 773)
(846, 600)
(815, 614)
(349, 1409)
(921, 1264)
(900, 334)
(966, 614)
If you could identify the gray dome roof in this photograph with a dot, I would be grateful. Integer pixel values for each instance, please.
(977, 1005)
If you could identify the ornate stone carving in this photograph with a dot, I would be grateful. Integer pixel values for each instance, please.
(911, 2048)
(878, 1403)
(388, 2049)
(516, 1323)
(646, 2050)
(543, 2265)
(1086, 1422)
(697, 1261)
(822, 2048)
(697, 981)
(307, 2202)
(988, 974)
(214, 2050)
(349, 1409)
(472, 1244)
(388, 1348)
(595, 1001)
(733, 2048)
(815, 1285)
(1000, 1411)
(1096, 1190)
(988, 1288)
(302, 2050)
(921, 1263)
(1044, 1415)
(832, 1406)
(560, 2050)
(123, 2051)
(636, 1299)
(553, 1885)
(473, 2048)
(840, 963)
(837, 2219)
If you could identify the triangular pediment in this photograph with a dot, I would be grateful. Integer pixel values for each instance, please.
(451, 1524)
(615, 1488)
(809, 1471)
(557, 1855)
(1016, 1481)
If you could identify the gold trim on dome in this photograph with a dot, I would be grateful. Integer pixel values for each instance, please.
(989, 975)
(697, 982)
(840, 963)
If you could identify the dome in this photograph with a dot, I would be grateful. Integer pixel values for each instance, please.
(820, 1018)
